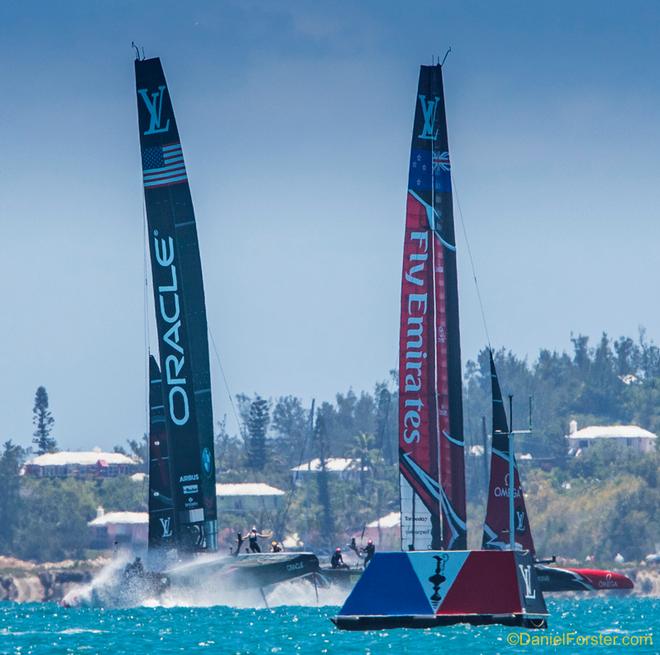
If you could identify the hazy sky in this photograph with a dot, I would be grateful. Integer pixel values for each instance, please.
(295, 119)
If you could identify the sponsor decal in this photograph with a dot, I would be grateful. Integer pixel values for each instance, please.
(415, 355)
(520, 524)
(154, 105)
(428, 111)
(296, 566)
(167, 530)
(190, 488)
(206, 460)
(169, 308)
(608, 583)
(503, 491)
(526, 572)
(189, 478)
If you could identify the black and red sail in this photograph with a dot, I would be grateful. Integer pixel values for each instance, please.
(497, 522)
(432, 470)
(180, 313)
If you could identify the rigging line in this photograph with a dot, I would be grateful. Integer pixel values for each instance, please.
(224, 378)
(472, 266)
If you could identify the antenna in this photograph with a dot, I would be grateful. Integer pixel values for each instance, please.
(445, 57)
(137, 51)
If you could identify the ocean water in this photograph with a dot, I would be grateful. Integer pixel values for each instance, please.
(44, 629)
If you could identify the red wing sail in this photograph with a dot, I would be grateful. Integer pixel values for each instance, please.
(496, 525)
(432, 471)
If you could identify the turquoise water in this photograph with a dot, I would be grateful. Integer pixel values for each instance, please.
(48, 629)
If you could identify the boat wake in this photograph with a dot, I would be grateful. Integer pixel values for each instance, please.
(299, 593)
(108, 589)
(102, 587)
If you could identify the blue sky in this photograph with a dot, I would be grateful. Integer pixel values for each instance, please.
(295, 119)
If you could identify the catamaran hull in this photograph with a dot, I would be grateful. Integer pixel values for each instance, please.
(435, 588)
(554, 579)
(244, 571)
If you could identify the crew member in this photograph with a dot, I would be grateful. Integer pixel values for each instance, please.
(239, 542)
(275, 547)
(353, 547)
(369, 551)
(337, 561)
(253, 535)
(134, 568)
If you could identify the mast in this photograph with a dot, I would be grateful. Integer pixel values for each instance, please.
(497, 534)
(431, 459)
(180, 313)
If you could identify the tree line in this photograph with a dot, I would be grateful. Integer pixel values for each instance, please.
(611, 381)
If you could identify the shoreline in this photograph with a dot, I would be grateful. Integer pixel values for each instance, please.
(31, 582)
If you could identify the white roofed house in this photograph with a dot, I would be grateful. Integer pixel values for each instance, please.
(626, 436)
(342, 468)
(248, 497)
(119, 528)
(81, 464)
(385, 532)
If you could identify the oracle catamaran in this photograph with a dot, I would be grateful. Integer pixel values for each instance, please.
(183, 518)
(183, 523)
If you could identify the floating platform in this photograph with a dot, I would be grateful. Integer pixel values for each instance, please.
(425, 589)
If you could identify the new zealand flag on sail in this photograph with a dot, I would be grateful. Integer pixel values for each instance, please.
(427, 170)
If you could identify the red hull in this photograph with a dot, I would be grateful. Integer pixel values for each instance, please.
(554, 578)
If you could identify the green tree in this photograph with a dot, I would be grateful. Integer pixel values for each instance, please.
(257, 426)
(43, 421)
(228, 454)
(54, 524)
(10, 500)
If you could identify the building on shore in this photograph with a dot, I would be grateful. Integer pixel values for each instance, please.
(81, 464)
(248, 497)
(118, 529)
(385, 532)
(342, 468)
(254, 500)
(626, 436)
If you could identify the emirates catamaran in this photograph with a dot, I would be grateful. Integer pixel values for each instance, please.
(507, 523)
(435, 580)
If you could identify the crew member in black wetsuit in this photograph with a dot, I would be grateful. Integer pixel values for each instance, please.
(369, 551)
(337, 561)
(353, 547)
(239, 542)
(134, 569)
(275, 547)
(253, 535)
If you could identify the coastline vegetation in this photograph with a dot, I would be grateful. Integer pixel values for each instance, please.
(596, 505)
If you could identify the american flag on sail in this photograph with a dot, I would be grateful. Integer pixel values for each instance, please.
(163, 165)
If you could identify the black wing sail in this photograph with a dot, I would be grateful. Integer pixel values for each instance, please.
(162, 518)
(180, 312)
(496, 523)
